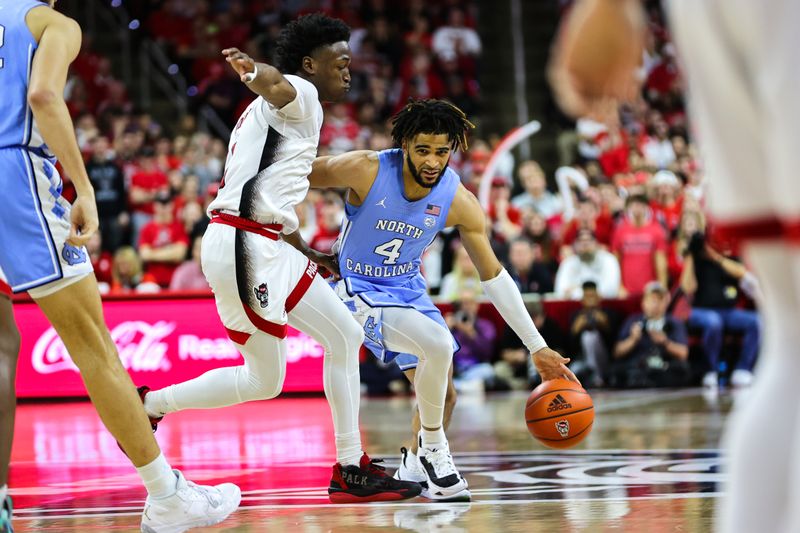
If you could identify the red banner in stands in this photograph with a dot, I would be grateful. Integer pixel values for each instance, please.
(160, 342)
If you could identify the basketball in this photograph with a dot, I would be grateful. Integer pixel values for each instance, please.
(559, 413)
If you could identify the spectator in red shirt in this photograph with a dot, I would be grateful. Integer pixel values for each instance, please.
(331, 212)
(146, 182)
(667, 203)
(640, 244)
(163, 242)
(587, 216)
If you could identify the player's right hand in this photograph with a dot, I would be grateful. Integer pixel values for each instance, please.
(240, 62)
(83, 220)
(551, 365)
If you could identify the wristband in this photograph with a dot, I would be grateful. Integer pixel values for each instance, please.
(250, 76)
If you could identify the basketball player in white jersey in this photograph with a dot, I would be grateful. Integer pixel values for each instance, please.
(261, 283)
(397, 202)
(739, 58)
(42, 252)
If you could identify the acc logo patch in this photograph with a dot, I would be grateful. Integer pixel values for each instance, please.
(430, 222)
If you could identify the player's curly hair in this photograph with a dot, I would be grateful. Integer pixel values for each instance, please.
(433, 117)
(304, 35)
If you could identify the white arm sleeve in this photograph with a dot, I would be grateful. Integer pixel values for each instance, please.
(503, 293)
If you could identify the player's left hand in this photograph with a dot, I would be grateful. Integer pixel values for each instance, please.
(83, 220)
(240, 62)
(330, 263)
(551, 365)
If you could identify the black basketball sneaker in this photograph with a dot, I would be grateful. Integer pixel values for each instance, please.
(368, 482)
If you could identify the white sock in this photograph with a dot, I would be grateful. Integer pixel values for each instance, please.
(158, 403)
(348, 449)
(433, 439)
(158, 478)
(3, 493)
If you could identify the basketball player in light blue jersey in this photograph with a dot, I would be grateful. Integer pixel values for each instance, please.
(42, 252)
(397, 201)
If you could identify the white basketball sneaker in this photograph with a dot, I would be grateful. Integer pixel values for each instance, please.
(410, 469)
(443, 481)
(191, 506)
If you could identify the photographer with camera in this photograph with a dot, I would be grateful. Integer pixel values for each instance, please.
(653, 347)
(475, 335)
(713, 282)
(590, 336)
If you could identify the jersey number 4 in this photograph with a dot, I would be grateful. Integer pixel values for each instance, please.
(390, 250)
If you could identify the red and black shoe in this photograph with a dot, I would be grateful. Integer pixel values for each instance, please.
(368, 482)
(143, 390)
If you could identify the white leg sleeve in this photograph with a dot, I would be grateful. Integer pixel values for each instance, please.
(409, 331)
(260, 378)
(763, 435)
(322, 315)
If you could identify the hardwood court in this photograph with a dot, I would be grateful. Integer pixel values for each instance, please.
(650, 464)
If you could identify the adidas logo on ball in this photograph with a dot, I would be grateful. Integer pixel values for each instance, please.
(558, 404)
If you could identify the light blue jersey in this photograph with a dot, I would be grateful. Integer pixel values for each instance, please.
(34, 220)
(17, 47)
(384, 238)
(381, 249)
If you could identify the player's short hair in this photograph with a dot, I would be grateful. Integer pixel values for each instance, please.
(433, 117)
(304, 35)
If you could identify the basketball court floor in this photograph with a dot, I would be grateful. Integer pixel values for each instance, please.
(650, 464)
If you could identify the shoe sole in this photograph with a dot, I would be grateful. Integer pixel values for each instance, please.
(345, 497)
(463, 496)
(180, 528)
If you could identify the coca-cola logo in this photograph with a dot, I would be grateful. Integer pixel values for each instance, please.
(141, 348)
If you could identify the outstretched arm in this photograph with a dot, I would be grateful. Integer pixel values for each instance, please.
(263, 79)
(352, 170)
(466, 214)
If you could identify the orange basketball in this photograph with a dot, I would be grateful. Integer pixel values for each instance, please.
(559, 413)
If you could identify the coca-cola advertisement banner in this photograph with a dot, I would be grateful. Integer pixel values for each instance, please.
(160, 342)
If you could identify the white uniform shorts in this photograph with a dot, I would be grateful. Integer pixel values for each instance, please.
(256, 280)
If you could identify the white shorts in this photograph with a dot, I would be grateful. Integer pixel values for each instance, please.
(256, 280)
(740, 63)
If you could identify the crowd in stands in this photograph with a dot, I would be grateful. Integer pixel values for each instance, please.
(621, 218)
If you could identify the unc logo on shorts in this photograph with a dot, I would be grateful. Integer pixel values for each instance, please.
(370, 328)
(262, 295)
(73, 255)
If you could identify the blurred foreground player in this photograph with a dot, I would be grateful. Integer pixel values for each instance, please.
(9, 351)
(397, 202)
(261, 283)
(739, 59)
(42, 251)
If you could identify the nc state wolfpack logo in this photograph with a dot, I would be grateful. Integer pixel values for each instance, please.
(262, 294)
(563, 427)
